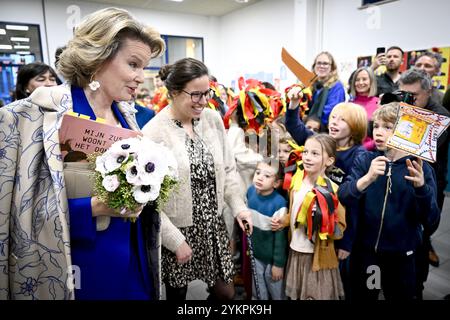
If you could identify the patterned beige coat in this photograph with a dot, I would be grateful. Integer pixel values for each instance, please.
(34, 219)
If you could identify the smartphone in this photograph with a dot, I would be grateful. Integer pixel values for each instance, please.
(381, 50)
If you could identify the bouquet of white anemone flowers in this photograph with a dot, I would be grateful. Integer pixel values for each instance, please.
(134, 172)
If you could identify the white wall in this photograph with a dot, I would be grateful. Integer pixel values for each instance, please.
(244, 42)
(414, 24)
(166, 23)
(252, 38)
(249, 41)
(62, 15)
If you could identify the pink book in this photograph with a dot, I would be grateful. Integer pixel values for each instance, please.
(79, 137)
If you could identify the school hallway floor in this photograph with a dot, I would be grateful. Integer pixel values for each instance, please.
(438, 282)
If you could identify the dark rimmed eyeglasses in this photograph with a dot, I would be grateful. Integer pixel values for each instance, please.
(196, 96)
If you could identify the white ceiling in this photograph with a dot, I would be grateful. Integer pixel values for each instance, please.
(200, 7)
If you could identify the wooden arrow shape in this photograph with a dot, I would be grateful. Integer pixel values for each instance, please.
(303, 74)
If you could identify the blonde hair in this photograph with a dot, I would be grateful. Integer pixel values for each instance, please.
(99, 38)
(285, 139)
(356, 118)
(386, 112)
(373, 82)
(333, 76)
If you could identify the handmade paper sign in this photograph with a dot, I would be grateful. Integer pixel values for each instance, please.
(79, 137)
(303, 74)
(417, 131)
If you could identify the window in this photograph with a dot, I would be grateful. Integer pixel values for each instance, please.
(19, 44)
(178, 48)
(181, 47)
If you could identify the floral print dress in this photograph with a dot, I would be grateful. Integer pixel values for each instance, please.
(207, 237)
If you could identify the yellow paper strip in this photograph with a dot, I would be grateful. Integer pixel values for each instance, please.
(73, 114)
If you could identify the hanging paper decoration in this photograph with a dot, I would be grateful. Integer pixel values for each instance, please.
(318, 212)
(216, 103)
(256, 105)
(304, 102)
(293, 164)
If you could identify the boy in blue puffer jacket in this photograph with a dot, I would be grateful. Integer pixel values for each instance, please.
(395, 197)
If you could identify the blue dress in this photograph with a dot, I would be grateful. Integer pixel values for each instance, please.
(143, 115)
(113, 263)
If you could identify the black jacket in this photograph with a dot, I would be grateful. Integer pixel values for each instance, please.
(385, 84)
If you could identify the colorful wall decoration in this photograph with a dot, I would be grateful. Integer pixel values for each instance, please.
(440, 81)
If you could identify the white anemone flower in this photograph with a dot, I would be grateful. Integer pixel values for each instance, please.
(151, 166)
(170, 161)
(131, 145)
(100, 165)
(111, 182)
(111, 160)
(146, 193)
(131, 173)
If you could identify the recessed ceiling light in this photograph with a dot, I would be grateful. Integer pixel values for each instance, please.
(241, 1)
(20, 39)
(21, 47)
(23, 52)
(2, 31)
(15, 27)
(5, 46)
(177, 0)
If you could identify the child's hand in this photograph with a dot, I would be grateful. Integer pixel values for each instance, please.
(277, 223)
(277, 273)
(377, 168)
(294, 95)
(415, 172)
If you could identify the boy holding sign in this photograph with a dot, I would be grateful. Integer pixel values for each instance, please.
(395, 194)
